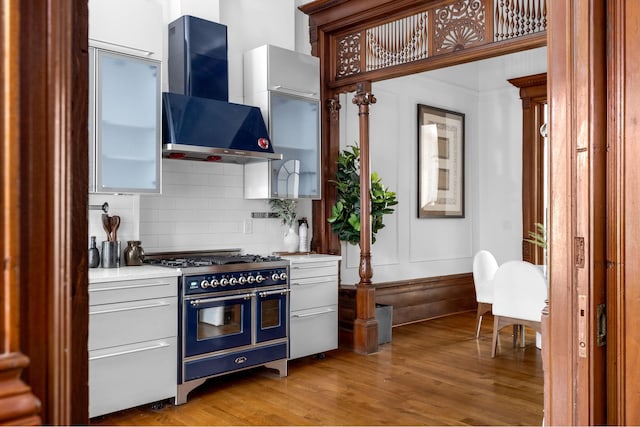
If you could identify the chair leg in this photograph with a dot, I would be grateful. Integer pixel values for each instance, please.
(522, 337)
(494, 341)
(483, 308)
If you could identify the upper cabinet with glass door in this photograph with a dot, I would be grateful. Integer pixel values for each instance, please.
(286, 86)
(125, 133)
(124, 100)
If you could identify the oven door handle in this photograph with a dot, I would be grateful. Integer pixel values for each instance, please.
(274, 292)
(197, 302)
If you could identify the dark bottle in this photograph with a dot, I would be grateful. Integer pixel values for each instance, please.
(94, 255)
(133, 253)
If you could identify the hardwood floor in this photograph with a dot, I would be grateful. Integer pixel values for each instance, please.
(432, 373)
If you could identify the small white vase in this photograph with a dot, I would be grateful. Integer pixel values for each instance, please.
(291, 240)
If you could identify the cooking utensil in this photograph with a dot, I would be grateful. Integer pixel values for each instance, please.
(106, 224)
(115, 224)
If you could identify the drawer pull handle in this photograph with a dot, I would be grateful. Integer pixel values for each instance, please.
(310, 266)
(116, 288)
(137, 307)
(315, 313)
(314, 281)
(137, 350)
(292, 89)
(240, 360)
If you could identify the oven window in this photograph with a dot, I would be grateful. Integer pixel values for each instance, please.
(270, 313)
(219, 321)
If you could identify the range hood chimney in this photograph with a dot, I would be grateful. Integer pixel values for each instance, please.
(198, 122)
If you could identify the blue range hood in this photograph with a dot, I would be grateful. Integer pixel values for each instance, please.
(197, 121)
(196, 128)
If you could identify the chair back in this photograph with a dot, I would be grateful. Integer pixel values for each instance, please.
(484, 269)
(520, 291)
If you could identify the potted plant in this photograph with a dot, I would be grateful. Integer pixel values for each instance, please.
(285, 209)
(345, 214)
(538, 237)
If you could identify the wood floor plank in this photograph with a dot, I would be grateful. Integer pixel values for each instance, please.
(432, 373)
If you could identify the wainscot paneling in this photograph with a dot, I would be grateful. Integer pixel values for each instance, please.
(413, 300)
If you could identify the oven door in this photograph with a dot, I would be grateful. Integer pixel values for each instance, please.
(272, 315)
(216, 323)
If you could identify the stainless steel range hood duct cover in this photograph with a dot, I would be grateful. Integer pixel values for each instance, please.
(207, 129)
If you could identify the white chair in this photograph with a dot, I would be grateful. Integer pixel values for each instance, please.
(519, 294)
(484, 268)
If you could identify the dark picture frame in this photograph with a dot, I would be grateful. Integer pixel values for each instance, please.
(440, 163)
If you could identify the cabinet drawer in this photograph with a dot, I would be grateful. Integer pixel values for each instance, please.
(313, 331)
(313, 292)
(130, 290)
(128, 376)
(313, 269)
(130, 322)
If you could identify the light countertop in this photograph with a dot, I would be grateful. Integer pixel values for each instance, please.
(312, 257)
(100, 275)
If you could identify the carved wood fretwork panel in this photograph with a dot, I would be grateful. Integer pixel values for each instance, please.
(348, 61)
(459, 25)
(517, 18)
(425, 32)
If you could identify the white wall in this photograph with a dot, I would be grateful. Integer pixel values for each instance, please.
(410, 247)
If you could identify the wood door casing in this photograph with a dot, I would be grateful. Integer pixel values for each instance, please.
(48, 176)
(533, 92)
(574, 364)
(623, 203)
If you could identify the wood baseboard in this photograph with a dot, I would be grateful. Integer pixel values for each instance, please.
(413, 300)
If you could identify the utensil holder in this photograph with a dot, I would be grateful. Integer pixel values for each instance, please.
(110, 254)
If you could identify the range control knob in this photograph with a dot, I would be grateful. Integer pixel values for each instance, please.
(233, 281)
(283, 276)
(204, 284)
(275, 277)
(251, 279)
(224, 282)
(242, 280)
(259, 278)
(214, 283)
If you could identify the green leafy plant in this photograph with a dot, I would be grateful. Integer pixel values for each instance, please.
(285, 209)
(345, 214)
(539, 236)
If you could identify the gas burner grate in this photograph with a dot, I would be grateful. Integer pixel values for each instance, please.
(209, 260)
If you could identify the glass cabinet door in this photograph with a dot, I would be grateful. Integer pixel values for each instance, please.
(295, 132)
(127, 101)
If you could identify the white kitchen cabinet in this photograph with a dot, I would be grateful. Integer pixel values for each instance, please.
(286, 86)
(132, 27)
(132, 338)
(124, 123)
(313, 326)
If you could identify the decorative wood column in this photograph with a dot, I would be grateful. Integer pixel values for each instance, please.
(365, 325)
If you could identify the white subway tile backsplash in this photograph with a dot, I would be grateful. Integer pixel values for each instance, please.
(225, 227)
(233, 192)
(202, 207)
